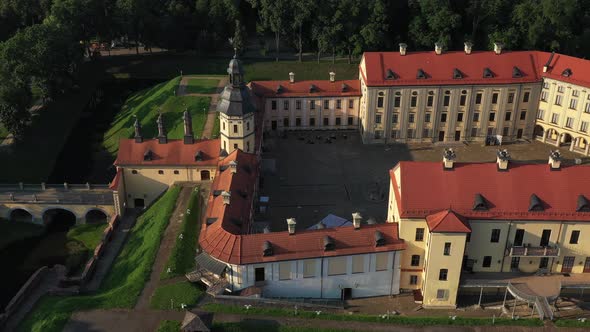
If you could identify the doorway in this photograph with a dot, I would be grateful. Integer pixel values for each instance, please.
(441, 136)
(544, 262)
(568, 264)
(205, 175)
(312, 122)
(518, 237)
(258, 274)
(346, 294)
(587, 265)
(139, 203)
(545, 238)
(519, 133)
(514, 263)
(273, 125)
(457, 135)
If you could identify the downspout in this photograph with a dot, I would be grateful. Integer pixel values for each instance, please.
(505, 246)
(556, 244)
(392, 273)
(322, 279)
(231, 271)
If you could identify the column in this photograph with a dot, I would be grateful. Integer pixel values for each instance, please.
(587, 148)
(545, 133)
(573, 143)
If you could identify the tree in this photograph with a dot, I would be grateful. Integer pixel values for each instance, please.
(301, 14)
(237, 41)
(434, 21)
(374, 30)
(350, 20)
(14, 107)
(273, 15)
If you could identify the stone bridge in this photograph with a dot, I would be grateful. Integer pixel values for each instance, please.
(43, 203)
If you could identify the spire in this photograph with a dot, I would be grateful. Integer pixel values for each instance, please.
(162, 139)
(188, 128)
(137, 126)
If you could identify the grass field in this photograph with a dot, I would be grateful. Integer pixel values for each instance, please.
(267, 326)
(172, 296)
(123, 285)
(16, 231)
(182, 257)
(572, 323)
(202, 85)
(146, 104)
(216, 128)
(88, 234)
(169, 326)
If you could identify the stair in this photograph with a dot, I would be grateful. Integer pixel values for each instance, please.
(541, 303)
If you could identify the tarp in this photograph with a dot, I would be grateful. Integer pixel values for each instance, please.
(331, 221)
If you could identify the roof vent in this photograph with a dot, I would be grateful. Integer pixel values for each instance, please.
(468, 47)
(267, 249)
(535, 203)
(479, 203)
(222, 153)
(498, 48)
(226, 196)
(292, 77)
(449, 157)
(328, 243)
(379, 239)
(420, 74)
(291, 223)
(554, 160)
(487, 73)
(566, 72)
(502, 159)
(516, 73)
(356, 220)
(199, 155)
(583, 204)
(279, 89)
(457, 74)
(390, 75)
(148, 155)
(233, 166)
(344, 87)
(312, 88)
(402, 48)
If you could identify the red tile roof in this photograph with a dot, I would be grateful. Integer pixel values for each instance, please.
(447, 221)
(580, 68)
(116, 180)
(175, 152)
(323, 88)
(426, 189)
(439, 68)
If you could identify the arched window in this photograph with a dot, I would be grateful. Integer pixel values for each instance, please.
(380, 99)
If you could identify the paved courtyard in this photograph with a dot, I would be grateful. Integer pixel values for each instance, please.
(310, 181)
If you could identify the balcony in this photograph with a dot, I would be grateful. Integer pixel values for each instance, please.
(528, 251)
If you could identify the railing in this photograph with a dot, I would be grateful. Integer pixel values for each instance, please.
(541, 303)
(100, 197)
(528, 251)
(45, 186)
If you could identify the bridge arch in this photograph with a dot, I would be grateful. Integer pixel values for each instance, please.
(96, 215)
(67, 217)
(20, 214)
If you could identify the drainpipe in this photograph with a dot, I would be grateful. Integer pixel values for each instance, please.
(556, 244)
(322, 279)
(392, 273)
(505, 246)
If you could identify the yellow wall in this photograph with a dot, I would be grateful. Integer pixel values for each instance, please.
(243, 139)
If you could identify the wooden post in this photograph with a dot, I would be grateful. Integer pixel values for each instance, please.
(480, 295)
(505, 294)
(514, 308)
(533, 311)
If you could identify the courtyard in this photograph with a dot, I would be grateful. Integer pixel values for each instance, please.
(308, 175)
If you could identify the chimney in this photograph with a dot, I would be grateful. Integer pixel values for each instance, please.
(449, 157)
(502, 159)
(162, 139)
(554, 160)
(548, 63)
(292, 77)
(332, 76)
(291, 223)
(468, 46)
(188, 128)
(137, 126)
(438, 48)
(402, 48)
(356, 220)
(498, 48)
(233, 166)
(226, 196)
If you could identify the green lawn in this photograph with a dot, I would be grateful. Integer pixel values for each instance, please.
(216, 128)
(169, 326)
(267, 326)
(88, 234)
(16, 231)
(172, 296)
(182, 257)
(397, 320)
(202, 85)
(146, 104)
(123, 285)
(572, 323)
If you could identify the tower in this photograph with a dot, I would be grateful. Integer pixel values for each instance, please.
(236, 112)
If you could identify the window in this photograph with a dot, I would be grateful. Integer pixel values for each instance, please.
(487, 261)
(298, 122)
(443, 274)
(381, 258)
(326, 104)
(247, 125)
(447, 250)
(309, 268)
(462, 100)
(160, 172)
(235, 129)
(525, 97)
(358, 263)
(326, 121)
(443, 117)
(446, 100)
(569, 122)
(575, 93)
(350, 103)
(460, 117)
(176, 172)
(544, 95)
(495, 235)
(430, 101)
(523, 115)
(297, 104)
(468, 237)
(285, 105)
(337, 265)
(380, 99)
(573, 103)
(284, 270)
(413, 280)
(505, 131)
(312, 122)
(377, 118)
(473, 132)
(584, 126)
(545, 85)
(507, 116)
(394, 134)
(394, 117)
(338, 103)
(350, 120)
(134, 171)
(476, 117)
(510, 97)
(396, 101)
(560, 88)
(478, 98)
(587, 108)
(413, 101)
(558, 100)
(574, 237)
(419, 234)
(554, 118)
(338, 121)
(427, 117)
(425, 132)
(312, 104)
(235, 146)
(492, 116)
(411, 117)
(441, 294)
(495, 98)
(378, 134)
(410, 132)
(273, 105)
(540, 114)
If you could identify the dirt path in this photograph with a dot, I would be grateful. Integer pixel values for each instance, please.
(212, 114)
(166, 245)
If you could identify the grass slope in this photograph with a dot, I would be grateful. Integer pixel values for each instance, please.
(88, 234)
(182, 257)
(216, 128)
(267, 326)
(172, 296)
(169, 326)
(16, 231)
(146, 104)
(123, 284)
(202, 85)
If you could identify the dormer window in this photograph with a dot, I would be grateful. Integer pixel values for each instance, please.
(148, 155)
(535, 203)
(516, 73)
(420, 74)
(279, 89)
(566, 72)
(390, 75)
(312, 88)
(267, 249)
(479, 203)
(199, 156)
(487, 73)
(583, 204)
(457, 74)
(210, 221)
(379, 239)
(328, 243)
(344, 87)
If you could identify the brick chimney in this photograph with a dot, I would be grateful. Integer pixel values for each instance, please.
(498, 47)
(291, 223)
(233, 166)
(449, 157)
(402, 48)
(188, 128)
(332, 77)
(292, 77)
(162, 138)
(468, 47)
(356, 220)
(554, 160)
(137, 126)
(226, 197)
(438, 48)
(502, 159)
